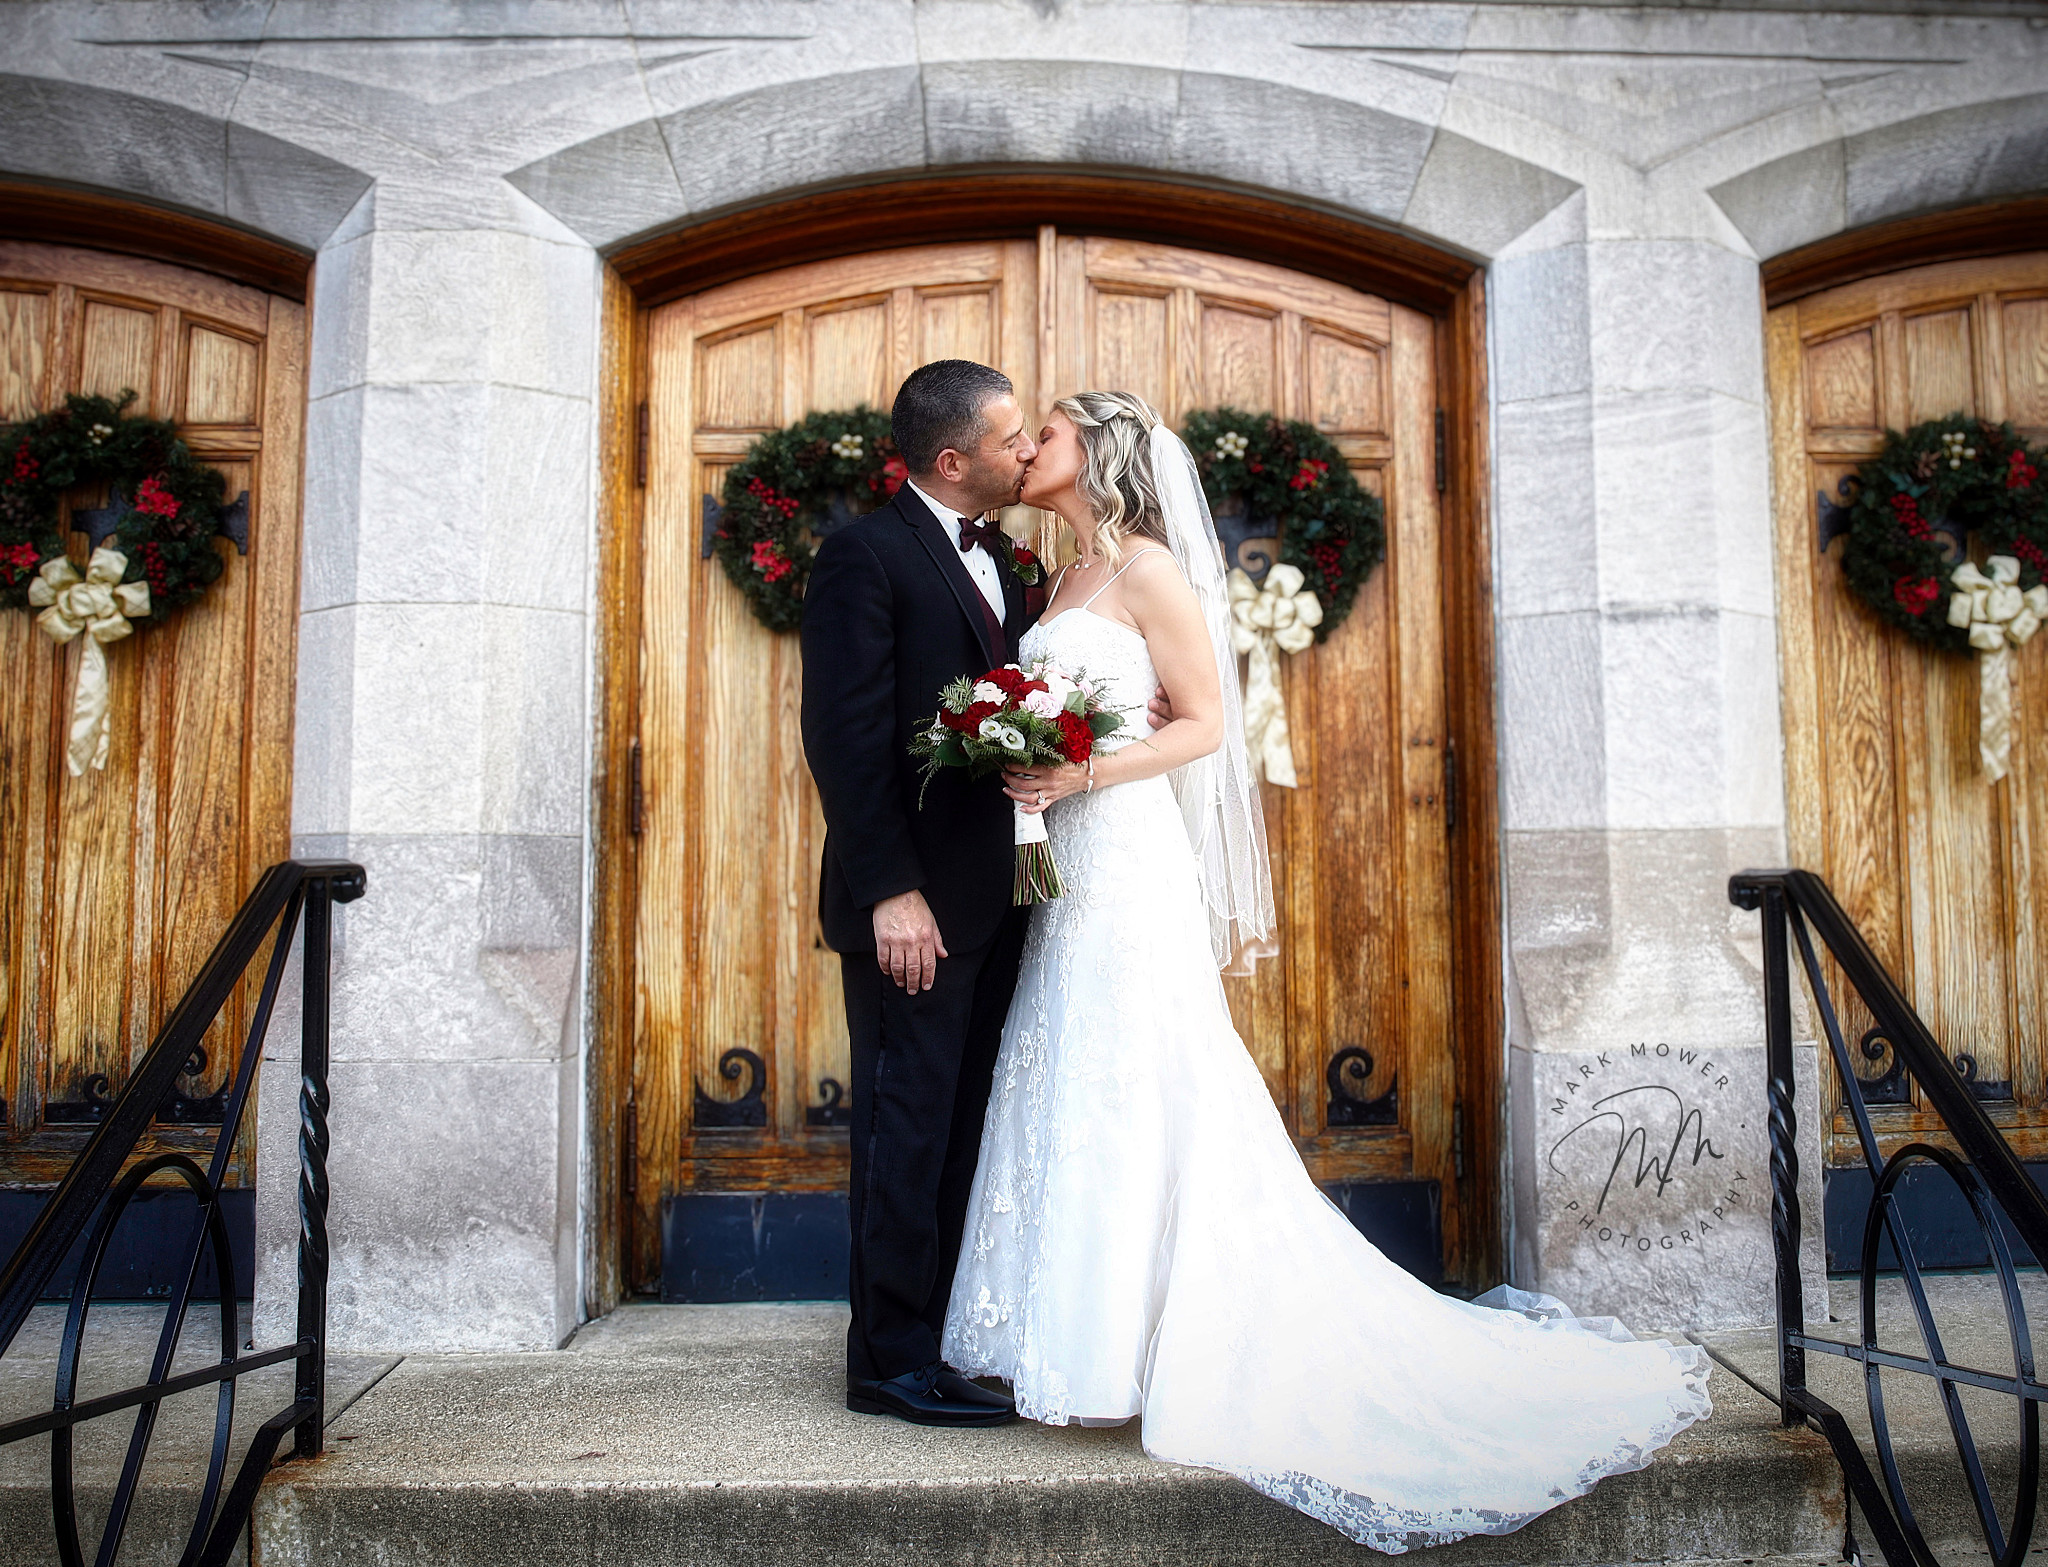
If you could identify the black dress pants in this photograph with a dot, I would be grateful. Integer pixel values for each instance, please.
(922, 1067)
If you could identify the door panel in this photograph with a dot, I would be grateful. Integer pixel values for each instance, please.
(1881, 736)
(728, 950)
(115, 886)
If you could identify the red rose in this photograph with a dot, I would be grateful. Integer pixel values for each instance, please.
(1077, 740)
(977, 711)
(1011, 682)
(1915, 594)
(1023, 556)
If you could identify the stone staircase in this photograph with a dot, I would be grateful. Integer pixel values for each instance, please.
(713, 1434)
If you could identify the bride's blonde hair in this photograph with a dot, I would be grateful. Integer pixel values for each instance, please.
(1116, 479)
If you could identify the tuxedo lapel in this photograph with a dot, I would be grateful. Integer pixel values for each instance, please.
(944, 548)
(1015, 610)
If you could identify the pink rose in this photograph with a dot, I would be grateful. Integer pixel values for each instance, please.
(1042, 704)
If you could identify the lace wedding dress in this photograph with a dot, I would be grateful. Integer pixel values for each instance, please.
(1143, 1239)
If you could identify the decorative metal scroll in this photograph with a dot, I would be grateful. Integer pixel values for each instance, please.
(835, 1110)
(838, 513)
(98, 523)
(94, 1194)
(733, 1114)
(182, 1109)
(1983, 1168)
(1349, 1071)
(1888, 1088)
(1832, 517)
(1252, 543)
(89, 1111)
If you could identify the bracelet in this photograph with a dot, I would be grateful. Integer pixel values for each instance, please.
(1091, 777)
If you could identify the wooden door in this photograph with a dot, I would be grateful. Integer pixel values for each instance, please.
(1360, 874)
(1947, 876)
(114, 886)
(728, 951)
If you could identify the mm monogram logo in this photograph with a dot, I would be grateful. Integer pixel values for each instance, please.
(1644, 1137)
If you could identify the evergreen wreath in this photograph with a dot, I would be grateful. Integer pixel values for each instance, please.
(1292, 475)
(1953, 476)
(167, 505)
(811, 476)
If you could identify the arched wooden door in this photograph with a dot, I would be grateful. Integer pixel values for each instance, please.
(115, 885)
(1946, 875)
(728, 953)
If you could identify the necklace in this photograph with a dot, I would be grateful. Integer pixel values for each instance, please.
(1085, 565)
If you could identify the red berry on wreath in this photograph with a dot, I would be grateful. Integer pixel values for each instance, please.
(1916, 594)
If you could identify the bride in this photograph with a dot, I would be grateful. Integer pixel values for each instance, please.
(1142, 1238)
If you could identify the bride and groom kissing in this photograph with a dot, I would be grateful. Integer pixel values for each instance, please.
(1067, 1172)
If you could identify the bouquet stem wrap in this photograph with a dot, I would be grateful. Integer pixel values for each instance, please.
(1038, 878)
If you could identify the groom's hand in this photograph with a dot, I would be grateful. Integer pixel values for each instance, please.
(907, 944)
(1159, 711)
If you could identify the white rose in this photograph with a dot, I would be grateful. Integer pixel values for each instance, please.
(984, 692)
(1043, 704)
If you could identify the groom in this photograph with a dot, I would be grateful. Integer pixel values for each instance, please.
(917, 900)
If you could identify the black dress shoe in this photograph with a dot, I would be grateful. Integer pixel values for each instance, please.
(933, 1395)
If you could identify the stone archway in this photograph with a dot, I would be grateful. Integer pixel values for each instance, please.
(1020, 206)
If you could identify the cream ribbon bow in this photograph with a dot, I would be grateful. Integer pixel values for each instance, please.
(100, 605)
(1999, 618)
(1264, 621)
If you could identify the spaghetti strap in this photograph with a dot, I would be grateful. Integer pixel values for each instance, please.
(1126, 566)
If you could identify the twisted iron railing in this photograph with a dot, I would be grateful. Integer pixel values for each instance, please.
(1984, 1168)
(286, 894)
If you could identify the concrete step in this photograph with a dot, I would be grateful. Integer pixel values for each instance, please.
(718, 1434)
(1970, 1319)
(120, 1339)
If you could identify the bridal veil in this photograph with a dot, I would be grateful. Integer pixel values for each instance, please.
(1219, 797)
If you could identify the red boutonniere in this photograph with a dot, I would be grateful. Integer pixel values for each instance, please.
(1024, 565)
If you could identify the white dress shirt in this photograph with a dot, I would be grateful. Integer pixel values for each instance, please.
(981, 565)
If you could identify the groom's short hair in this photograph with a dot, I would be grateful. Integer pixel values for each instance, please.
(939, 406)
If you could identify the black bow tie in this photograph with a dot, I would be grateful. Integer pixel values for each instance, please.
(988, 535)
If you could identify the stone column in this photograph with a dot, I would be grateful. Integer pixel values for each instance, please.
(441, 740)
(1639, 730)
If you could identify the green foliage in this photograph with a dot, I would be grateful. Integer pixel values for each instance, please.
(1897, 562)
(785, 484)
(174, 501)
(1293, 474)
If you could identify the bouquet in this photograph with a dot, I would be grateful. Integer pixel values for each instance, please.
(1008, 717)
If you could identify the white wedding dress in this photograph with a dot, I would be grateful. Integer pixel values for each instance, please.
(1144, 1240)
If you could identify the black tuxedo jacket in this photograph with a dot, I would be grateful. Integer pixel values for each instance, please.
(890, 616)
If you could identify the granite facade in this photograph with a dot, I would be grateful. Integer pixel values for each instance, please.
(459, 171)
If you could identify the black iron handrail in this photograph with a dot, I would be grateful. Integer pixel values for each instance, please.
(1984, 1168)
(285, 894)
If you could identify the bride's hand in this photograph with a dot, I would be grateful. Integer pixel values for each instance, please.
(1037, 784)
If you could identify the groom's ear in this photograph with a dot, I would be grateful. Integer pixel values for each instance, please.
(949, 465)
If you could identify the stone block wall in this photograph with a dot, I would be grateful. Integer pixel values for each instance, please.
(1621, 170)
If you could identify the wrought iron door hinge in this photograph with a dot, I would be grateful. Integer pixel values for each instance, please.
(1442, 478)
(1450, 787)
(1458, 1140)
(640, 449)
(635, 812)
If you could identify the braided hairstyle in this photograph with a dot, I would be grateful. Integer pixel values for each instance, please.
(1116, 479)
